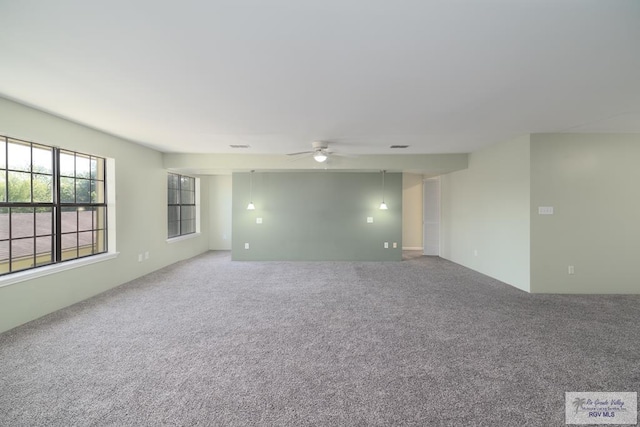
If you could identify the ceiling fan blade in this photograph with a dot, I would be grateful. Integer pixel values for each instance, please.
(346, 155)
(301, 152)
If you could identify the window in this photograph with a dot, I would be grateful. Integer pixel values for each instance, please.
(52, 205)
(181, 204)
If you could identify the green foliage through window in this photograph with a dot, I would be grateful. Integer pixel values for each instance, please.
(52, 205)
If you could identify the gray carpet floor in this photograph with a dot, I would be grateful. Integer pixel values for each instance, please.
(213, 342)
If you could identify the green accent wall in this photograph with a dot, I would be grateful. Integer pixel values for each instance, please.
(314, 216)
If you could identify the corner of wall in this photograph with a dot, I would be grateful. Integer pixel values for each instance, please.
(486, 213)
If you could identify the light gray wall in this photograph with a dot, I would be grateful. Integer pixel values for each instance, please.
(431, 210)
(141, 216)
(317, 216)
(592, 182)
(220, 212)
(412, 211)
(485, 213)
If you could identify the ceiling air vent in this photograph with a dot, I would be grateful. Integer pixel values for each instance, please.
(399, 146)
(238, 146)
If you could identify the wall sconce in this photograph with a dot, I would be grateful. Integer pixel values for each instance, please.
(383, 205)
(251, 206)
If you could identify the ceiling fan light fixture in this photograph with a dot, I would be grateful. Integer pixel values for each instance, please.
(319, 156)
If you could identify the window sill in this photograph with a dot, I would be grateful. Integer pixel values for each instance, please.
(185, 237)
(47, 270)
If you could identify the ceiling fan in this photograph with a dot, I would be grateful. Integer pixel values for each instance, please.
(320, 151)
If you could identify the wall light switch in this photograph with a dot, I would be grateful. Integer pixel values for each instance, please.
(386, 245)
(369, 219)
(146, 255)
(139, 257)
(258, 220)
(246, 246)
(395, 245)
(545, 210)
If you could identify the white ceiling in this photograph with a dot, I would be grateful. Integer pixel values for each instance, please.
(441, 76)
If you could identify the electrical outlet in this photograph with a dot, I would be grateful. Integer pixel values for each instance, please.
(475, 252)
(246, 246)
(395, 245)
(146, 255)
(258, 220)
(386, 245)
(571, 270)
(139, 257)
(545, 210)
(369, 220)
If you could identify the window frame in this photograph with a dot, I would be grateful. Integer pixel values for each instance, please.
(58, 252)
(178, 204)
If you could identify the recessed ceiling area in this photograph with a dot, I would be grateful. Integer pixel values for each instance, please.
(438, 76)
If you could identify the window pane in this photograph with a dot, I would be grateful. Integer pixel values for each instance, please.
(43, 250)
(187, 212)
(19, 155)
(187, 193)
(187, 197)
(44, 221)
(85, 243)
(20, 187)
(42, 188)
(3, 153)
(97, 169)
(173, 188)
(21, 254)
(83, 191)
(97, 191)
(174, 228)
(174, 221)
(188, 226)
(4, 223)
(174, 213)
(4, 257)
(67, 164)
(85, 219)
(100, 241)
(188, 219)
(3, 186)
(186, 183)
(22, 222)
(173, 181)
(83, 166)
(101, 165)
(42, 159)
(173, 196)
(100, 218)
(69, 246)
(67, 190)
(69, 219)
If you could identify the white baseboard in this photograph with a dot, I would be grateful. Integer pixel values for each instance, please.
(411, 248)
